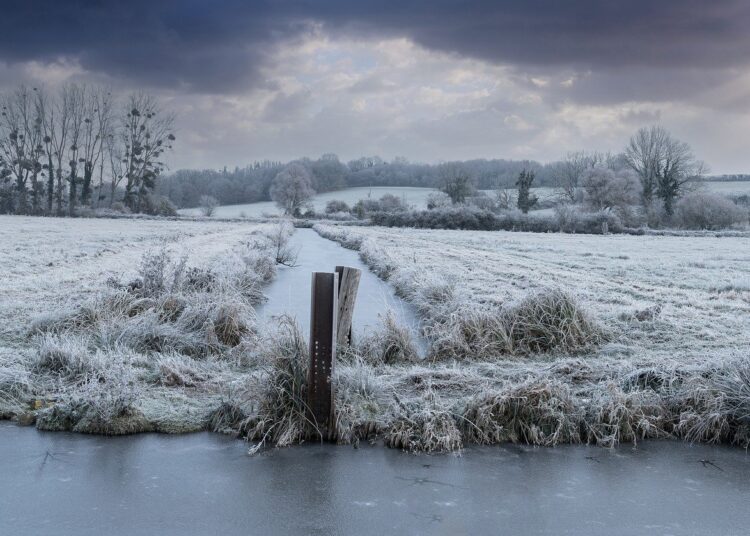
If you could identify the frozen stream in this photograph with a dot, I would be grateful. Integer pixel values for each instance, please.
(69, 484)
(290, 291)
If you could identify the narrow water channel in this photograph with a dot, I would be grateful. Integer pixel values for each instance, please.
(289, 293)
(58, 483)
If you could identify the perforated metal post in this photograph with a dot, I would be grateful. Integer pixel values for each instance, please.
(323, 320)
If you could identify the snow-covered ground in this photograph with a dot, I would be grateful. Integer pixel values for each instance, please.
(700, 286)
(416, 197)
(412, 195)
(729, 188)
(46, 263)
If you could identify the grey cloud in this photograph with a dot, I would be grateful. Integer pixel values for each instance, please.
(221, 46)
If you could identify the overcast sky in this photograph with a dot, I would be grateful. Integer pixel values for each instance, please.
(434, 80)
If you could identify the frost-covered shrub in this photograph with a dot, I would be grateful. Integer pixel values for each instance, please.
(335, 205)
(706, 210)
(438, 200)
(388, 203)
(159, 205)
(483, 202)
(603, 188)
(456, 217)
(571, 219)
(120, 207)
(208, 205)
(472, 218)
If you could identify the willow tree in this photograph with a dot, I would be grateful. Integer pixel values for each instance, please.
(146, 133)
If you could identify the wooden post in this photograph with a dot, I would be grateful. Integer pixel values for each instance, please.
(323, 313)
(347, 295)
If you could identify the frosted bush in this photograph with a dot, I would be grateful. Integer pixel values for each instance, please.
(705, 210)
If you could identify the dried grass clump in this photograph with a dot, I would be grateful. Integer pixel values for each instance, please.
(389, 344)
(537, 413)
(196, 324)
(360, 401)
(470, 334)
(614, 416)
(15, 385)
(106, 404)
(550, 321)
(175, 370)
(714, 406)
(231, 417)
(67, 356)
(424, 425)
(232, 324)
(282, 417)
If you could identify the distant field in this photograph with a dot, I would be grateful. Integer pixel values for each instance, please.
(728, 187)
(412, 195)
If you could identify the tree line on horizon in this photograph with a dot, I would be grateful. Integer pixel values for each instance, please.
(654, 163)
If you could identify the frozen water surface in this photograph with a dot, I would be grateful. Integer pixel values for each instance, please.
(61, 483)
(290, 291)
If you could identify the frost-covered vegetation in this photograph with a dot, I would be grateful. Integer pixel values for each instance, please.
(130, 327)
(534, 338)
(551, 339)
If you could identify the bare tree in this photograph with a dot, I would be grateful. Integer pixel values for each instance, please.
(208, 204)
(292, 189)
(116, 159)
(147, 132)
(15, 142)
(284, 253)
(75, 103)
(47, 113)
(455, 182)
(96, 104)
(59, 130)
(663, 163)
(106, 131)
(570, 170)
(35, 134)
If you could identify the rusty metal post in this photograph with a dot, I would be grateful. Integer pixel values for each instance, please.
(323, 322)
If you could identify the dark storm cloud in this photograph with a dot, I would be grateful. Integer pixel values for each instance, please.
(221, 45)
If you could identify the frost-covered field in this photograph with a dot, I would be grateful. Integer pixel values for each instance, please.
(414, 196)
(47, 262)
(117, 326)
(729, 188)
(699, 287)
